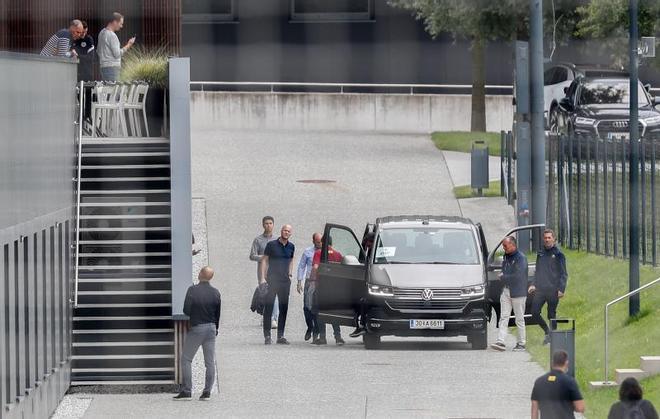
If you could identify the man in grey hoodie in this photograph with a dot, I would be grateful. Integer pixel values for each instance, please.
(109, 50)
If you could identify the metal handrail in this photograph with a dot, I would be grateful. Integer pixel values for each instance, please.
(341, 86)
(607, 307)
(78, 179)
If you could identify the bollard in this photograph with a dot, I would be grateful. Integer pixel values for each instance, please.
(479, 167)
(563, 339)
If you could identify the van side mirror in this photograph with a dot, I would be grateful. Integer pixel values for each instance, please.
(647, 87)
(566, 104)
(566, 90)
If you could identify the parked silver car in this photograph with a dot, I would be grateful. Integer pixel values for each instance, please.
(411, 276)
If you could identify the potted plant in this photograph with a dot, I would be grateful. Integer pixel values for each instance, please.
(150, 65)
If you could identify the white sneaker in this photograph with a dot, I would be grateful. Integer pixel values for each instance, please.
(273, 324)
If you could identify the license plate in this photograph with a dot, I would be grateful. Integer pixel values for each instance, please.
(427, 324)
(618, 135)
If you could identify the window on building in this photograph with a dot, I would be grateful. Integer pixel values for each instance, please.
(331, 10)
(209, 11)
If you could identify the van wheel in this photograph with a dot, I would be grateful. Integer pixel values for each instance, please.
(371, 341)
(479, 341)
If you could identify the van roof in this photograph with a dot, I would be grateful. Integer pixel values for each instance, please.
(416, 220)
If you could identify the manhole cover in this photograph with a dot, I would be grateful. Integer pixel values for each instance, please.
(316, 181)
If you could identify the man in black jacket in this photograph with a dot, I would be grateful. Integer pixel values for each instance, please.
(202, 305)
(549, 282)
(514, 294)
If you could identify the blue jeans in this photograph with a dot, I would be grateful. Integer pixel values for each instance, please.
(201, 335)
(110, 73)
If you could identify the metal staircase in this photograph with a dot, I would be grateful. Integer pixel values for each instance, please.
(123, 331)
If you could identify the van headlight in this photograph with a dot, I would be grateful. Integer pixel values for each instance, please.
(473, 291)
(381, 291)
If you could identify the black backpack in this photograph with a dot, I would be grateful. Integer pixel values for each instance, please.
(633, 411)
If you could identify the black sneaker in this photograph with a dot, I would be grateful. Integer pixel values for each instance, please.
(183, 396)
(268, 341)
(546, 339)
(498, 346)
(282, 341)
(321, 341)
(519, 348)
(339, 341)
(205, 397)
(359, 331)
(308, 334)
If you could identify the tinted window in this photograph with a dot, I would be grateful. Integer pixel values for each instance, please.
(548, 75)
(609, 92)
(442, 246)
(560, 75)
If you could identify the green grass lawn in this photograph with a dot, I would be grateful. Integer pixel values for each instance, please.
(593, 282)
(465, 191)
(462, 141)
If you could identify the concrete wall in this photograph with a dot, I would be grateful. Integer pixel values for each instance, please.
(37, 156)
(326, 111)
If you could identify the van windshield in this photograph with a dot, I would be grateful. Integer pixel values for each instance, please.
(426, 246)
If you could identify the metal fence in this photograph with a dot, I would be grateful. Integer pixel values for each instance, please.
(588, 194)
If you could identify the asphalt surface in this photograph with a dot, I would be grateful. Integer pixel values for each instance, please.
(246, 175)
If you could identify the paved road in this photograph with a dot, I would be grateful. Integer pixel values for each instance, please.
(245, 175)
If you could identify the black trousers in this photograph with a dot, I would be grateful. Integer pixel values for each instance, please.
(281, 289)
(542, 297)
(309, 316)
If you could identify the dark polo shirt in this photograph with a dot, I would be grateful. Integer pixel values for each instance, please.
(279, 258)
(556, 392)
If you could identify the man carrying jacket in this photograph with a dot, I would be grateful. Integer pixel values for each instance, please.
(549, 282)
(514, 294)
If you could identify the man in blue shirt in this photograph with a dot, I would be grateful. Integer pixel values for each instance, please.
(514, 294)
(549, 281)
(304, 271)
(277, 271)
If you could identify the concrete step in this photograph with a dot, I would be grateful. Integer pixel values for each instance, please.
(650, 364)
(623, 373)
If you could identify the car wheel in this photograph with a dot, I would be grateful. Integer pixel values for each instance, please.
(479, 341)
(371, 341)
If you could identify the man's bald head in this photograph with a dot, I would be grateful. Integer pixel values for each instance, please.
(317, 239)
(206, 273)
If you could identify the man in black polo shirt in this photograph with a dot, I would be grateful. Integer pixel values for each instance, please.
(277, 271)
(556, 395)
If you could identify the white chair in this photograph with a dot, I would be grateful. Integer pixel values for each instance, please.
(135, 103)
(104, 103)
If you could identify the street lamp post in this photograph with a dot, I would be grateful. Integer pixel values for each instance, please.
(633, 270)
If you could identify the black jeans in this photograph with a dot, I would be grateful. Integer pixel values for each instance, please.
(309, 316)
(542, 297)
(319, 328)
(282, 289)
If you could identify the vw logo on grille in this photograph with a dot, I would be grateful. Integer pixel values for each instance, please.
(620, 124)
(427, 294)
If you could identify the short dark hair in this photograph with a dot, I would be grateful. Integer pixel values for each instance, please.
(559, 358)
(84, 23)
(550, 231)
(115, 17)
(267, 218)
(630, 390)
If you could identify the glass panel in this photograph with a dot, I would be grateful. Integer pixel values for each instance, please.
(610, 92)
(342, 243)
(334, 6)
(428, 245)
(223, 7)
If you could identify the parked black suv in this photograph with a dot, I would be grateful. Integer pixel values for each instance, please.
(421, 276)
(598, 108)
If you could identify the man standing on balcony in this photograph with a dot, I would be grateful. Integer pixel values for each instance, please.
(549, 281)
(61, 43)
(84, 48)
(109, 50)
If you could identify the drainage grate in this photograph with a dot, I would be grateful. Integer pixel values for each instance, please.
(316, 181)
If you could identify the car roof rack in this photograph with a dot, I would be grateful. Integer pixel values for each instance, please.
(423, 218)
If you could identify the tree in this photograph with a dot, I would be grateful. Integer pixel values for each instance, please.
(480, 21)
(609, 20)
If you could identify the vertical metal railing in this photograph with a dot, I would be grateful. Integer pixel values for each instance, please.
(588, 201)
(81, 102)
(607, 308)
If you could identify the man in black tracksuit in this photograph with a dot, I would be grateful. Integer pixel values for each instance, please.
(549, 283)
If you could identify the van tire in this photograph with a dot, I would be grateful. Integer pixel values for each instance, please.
(479, 341)
(371, 341)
